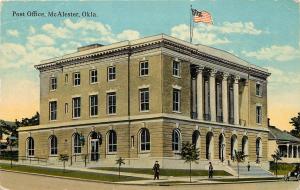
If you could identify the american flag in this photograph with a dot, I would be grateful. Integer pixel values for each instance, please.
(202, 16)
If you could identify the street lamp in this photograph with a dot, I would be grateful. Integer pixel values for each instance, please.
(11, 141)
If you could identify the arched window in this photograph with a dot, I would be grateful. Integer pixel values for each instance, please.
(222, 147)
(112, 141)
(258, 149)
(76, 144)
(53, 145)
(145, 140)
(176, 141)
(196, 139)
(245, 145)
(234, 146)
(30, 146)
(209, 146)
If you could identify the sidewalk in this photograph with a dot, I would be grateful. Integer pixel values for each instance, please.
(148, 178)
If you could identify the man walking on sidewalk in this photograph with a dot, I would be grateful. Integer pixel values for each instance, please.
(210, 170)
(156, 170)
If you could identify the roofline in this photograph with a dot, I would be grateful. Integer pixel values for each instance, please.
(129, 44)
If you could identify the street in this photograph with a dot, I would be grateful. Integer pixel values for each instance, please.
(16, 181)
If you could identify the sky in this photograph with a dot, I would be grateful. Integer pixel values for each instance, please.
(262, 32)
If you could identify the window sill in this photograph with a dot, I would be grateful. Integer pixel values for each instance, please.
(53, 90)
(53, 120)
(259, 96)
(76, 85)
(175, 76)
(111, 114)
(144, 152)
(93, 83)
(53, 155)
(111, 80)
(142, 76)
(146, 111)
(94, 116)
(260, 124)
(112, 153)
(75, 118)
(179, 112)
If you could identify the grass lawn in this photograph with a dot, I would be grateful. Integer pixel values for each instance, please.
(166, 172)
(69, 173)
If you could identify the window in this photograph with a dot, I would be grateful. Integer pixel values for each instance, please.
(66, 108)
(76, 144)
(111, 73)
(144, 68)
(258, 89)
(52, 110)
(112, 141)
(93, 105)
(132, 141)
(30, 146)
(111, 103)
(176, 68)
(93, 76)
(53, 145)
(144, 99)
(76, 79)
(176, 100)
(53, 83)
(145, 140)
(176, 140)
(76, 107)
(258, 114)
(66, 78)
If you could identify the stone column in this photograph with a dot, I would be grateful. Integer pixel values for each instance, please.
(212, 95)
(225, 98)
(194, 97)
(200, 93)
(236, 100)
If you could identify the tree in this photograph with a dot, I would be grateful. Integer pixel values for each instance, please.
(64, 158)
(295, 121)
(120, 161)
(189, 153)
(276, 156)
(239, 157)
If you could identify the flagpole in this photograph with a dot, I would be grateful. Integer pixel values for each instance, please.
(191, 24)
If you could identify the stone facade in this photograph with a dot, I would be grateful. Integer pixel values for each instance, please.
(218, 135)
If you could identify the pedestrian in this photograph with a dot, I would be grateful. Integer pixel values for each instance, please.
(156, 170)
(210, 170)
(248, 166)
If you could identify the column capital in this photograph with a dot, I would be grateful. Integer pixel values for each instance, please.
(199, 69)
(236, 78)
(213, 72)
(225, 75)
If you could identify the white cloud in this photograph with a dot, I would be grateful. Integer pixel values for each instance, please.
(231, 27)
(128, 35)
(280, 77)
(90, 25)
(277, 53)
(16, 55)
(31, 30)
(56, 32)
(13, 33)
(182, 31)
(40, 40)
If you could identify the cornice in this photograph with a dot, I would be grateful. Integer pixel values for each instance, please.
(144, 44)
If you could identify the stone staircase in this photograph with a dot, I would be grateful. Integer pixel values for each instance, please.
(255, 171)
